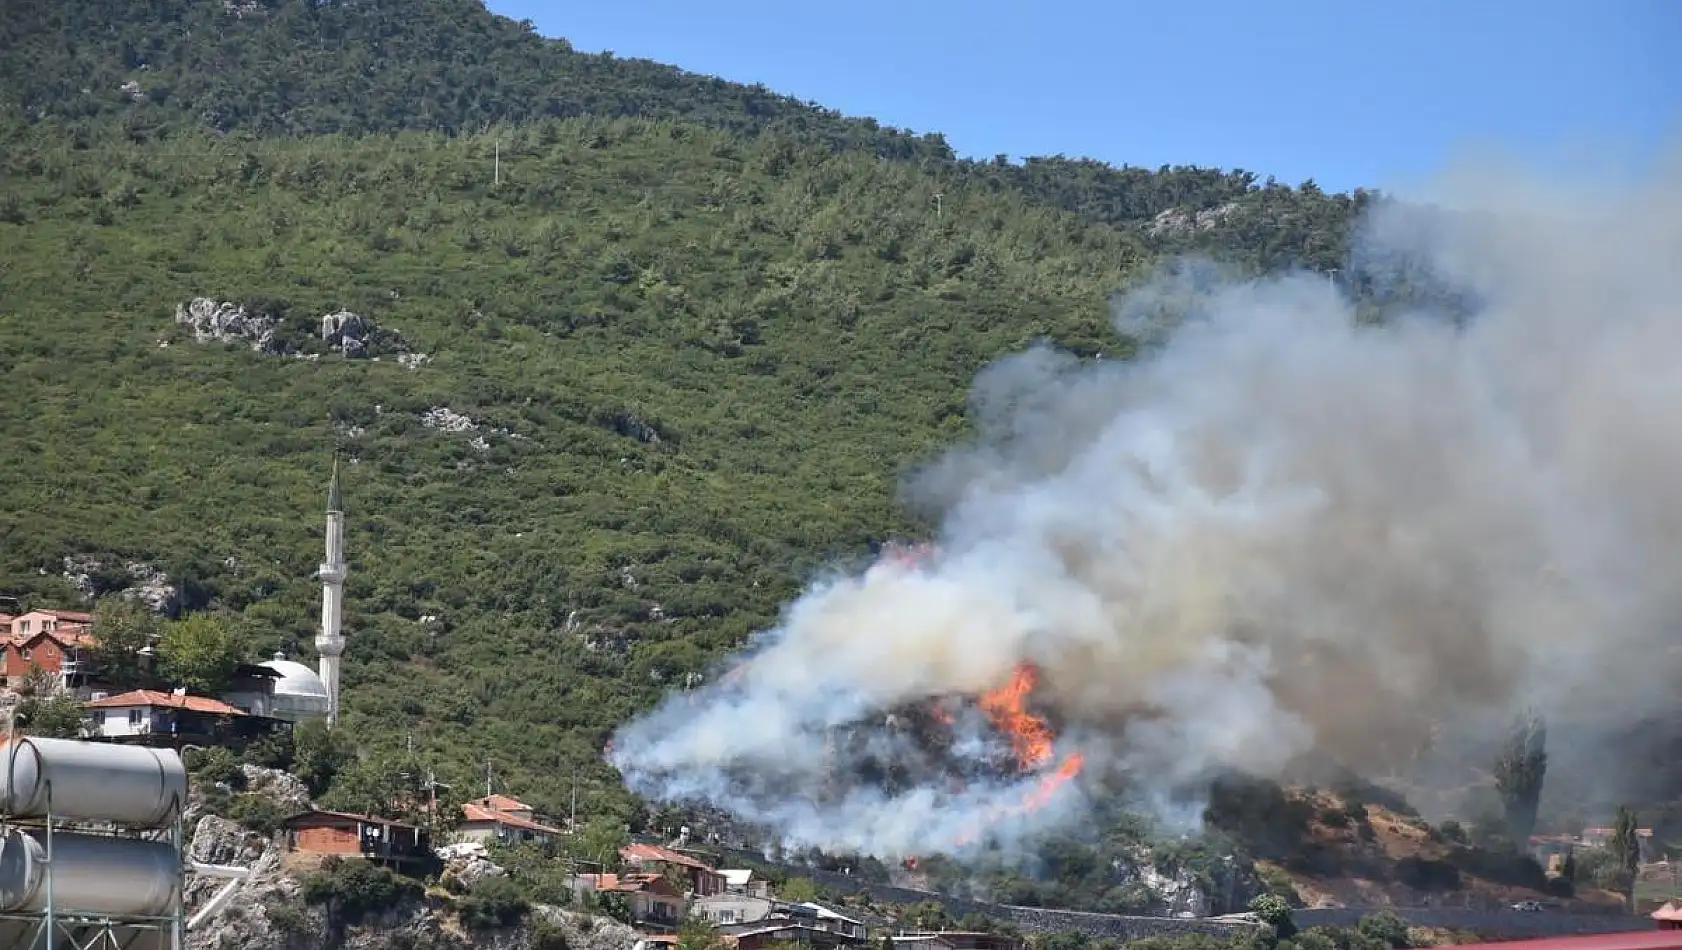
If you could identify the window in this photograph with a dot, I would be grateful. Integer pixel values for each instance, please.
(136, 716)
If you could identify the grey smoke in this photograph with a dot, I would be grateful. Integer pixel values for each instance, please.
(1276, 532)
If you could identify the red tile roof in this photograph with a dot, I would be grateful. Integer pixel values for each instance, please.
(502, 803)
(473, 811)
(74, 616)
(69, 635)
(638, 853)
(151, 697)
(622, 882)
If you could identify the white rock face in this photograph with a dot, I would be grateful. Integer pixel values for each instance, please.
(446, 419)
(152, 588)
(214, 321)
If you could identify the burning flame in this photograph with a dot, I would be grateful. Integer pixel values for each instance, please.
(1007, 707)
(1031, 742)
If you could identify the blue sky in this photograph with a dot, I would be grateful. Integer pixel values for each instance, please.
(1353, 93)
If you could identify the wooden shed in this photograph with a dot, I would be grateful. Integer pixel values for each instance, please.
(394, 844)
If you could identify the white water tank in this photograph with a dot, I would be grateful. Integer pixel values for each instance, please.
(92, 874)
(91, 781)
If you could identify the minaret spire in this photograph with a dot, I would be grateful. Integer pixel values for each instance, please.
(330, 642)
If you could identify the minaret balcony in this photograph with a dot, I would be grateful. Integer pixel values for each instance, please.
(331, 573)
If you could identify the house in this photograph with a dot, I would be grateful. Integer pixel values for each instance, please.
(827, 918)
(807, 933)
(396, 845)
(732, 908)
(742, 881)
(1668, 917)
(49, 621)
(504, 819)
(704, 881)
(56, 642)
(651, 898)
(149, 717)
(1602, 838)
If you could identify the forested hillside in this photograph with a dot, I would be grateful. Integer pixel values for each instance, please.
(651, 348)
(84, 70)
(697, 365)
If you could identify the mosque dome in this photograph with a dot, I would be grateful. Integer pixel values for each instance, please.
(299, 693)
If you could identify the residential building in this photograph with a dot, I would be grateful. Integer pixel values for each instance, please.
(827, 918)
(49, 621)
(394, 844)
(704, 880)
(1602, 837)
(729, 908)
(743, 881)
(503, 819)
(807, 933)
(149, 717)
(55, 642)
(651, 898)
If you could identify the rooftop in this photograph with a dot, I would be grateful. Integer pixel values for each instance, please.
(151, 697)
(637, 853)
(473, 811)
(349, 816)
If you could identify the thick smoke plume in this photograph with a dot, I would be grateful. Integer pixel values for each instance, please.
(1279, 530)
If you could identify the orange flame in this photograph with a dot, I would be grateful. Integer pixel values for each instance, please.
(1031, 741)
(1007, 707)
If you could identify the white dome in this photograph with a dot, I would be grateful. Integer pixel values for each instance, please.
(299, 692)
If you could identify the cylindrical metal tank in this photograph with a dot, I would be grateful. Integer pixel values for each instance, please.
(91, 874)
(91, 781)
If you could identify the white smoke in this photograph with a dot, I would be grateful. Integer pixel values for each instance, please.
(1278, 531)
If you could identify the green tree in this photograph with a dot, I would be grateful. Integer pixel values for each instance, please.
(798, 889)
(123, 631)
(200, 652)
(1625, 848)
(49, 711)
(318, 753)
(697, 934)
(1520, 770)
(598, 842)
(1275, 911)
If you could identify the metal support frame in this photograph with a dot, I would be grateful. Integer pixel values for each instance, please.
(51, 929)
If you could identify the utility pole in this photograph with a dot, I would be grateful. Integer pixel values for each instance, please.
(573, 821)
(488, 778)
(938, 206)
(497, 162)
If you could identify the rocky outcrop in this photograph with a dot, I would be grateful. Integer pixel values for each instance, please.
(216, 321)
(445, 419)
(1180, 222)
(282, 788)
(263, 327)
(95, 576)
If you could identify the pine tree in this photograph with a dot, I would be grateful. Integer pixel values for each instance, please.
(1519, 773)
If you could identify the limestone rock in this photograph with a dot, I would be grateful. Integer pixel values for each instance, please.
(215, 321)
(91, 575)
(283, 788)
(445, 419)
